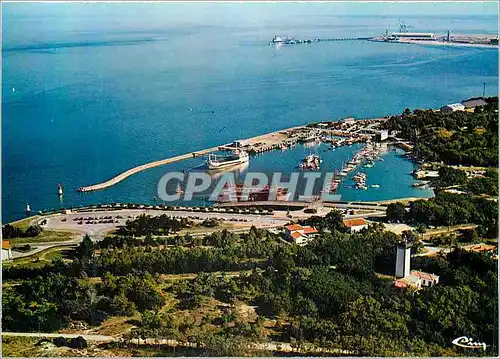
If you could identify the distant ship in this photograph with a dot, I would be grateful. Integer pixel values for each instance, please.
(278, 40)
(216, 162)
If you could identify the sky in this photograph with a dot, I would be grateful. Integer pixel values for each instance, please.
(205, 11)
(33, 22)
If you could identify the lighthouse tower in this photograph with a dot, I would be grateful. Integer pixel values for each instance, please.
(60, 189)
(403, 252)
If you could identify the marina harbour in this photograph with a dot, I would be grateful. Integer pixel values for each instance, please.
(248, 90)
(391, 172)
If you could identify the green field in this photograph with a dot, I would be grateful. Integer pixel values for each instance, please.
(39, 259)
(25, 223)
(46, 236)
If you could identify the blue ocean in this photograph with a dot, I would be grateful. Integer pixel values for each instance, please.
(90, 90)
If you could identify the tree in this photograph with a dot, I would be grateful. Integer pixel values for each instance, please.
(396, 212)
(449, 176)
(85, 250)
(375, 327)
(33, 231)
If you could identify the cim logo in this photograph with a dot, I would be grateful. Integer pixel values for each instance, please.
(466, 342)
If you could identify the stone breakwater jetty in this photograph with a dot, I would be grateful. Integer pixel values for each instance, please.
(143, 167)
(254, 144)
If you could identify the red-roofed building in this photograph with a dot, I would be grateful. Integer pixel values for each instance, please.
(427, 278)
(417, 280)
(409, 282)
(293, 227)
(355, 224)
(6, 250)
(400, 284)
(310, 230)
(298, 234)
(483, 248)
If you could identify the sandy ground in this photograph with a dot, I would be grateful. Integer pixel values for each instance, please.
(397, 228)
(441, 43)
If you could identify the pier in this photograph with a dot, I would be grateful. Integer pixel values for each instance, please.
(270, 140)
(293, 41)
(345, 39)
(146, 166)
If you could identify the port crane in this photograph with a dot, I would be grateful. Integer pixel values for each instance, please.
(403, 27)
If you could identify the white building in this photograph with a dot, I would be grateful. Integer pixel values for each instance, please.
(6, 250)
(453, 107)
(382, 135)
(417, 280)
(414, 279)
(414, 35)
(427, 279)
(348, 121)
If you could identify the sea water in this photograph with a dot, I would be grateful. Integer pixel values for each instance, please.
(92, 90)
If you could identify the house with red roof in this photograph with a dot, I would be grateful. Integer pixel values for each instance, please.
(355, 224)
(409, 282)
(483, 248)
(416, 280)
(428, 279)
(300, 235)
(6, 250)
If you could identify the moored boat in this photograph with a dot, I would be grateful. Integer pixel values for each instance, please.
(218, 162)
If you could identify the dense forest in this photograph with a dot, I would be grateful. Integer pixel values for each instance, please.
(486, 184)
(337, 293)
(448, 209)
(454, 138)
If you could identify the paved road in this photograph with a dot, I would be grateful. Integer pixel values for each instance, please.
(285, 204)
(42, 247)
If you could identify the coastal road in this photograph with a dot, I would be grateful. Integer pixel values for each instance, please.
(43, 246)
(284, 204)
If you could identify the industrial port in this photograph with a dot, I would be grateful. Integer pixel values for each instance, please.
(405, 35)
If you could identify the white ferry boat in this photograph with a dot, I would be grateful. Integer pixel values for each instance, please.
(217, 162)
